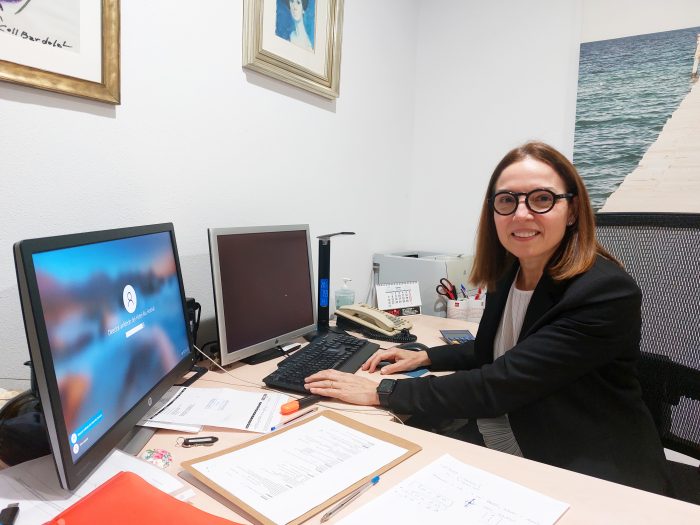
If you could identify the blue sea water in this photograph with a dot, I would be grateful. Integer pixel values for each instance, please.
(627, 89)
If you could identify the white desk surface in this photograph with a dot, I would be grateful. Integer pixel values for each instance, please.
(591, 500)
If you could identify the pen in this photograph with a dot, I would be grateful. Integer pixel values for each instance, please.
(286, 422)
(298, 404)
(464, 290)
(9, 514)
(349, 499)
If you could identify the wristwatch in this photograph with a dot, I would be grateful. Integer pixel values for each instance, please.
(384, 390)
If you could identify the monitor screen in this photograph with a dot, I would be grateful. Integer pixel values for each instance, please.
(107, 332)
(263, 287)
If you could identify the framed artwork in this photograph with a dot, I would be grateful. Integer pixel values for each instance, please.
(296, 41)
(65, 46)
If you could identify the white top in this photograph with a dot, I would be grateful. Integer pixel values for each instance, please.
(496, 431)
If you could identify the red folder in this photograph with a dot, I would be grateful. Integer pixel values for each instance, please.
(127, 498)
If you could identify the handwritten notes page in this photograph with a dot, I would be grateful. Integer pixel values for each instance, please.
(223, 407)
(289, 474)
(449, 491)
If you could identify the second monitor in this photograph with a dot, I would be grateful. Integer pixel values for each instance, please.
(263, 287)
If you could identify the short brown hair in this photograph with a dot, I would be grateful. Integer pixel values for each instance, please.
(579, 247)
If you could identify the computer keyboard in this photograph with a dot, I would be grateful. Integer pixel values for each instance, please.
(331, 350)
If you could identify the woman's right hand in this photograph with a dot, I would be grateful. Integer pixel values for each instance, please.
(401, 360)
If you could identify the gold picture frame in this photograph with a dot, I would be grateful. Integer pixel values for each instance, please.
(304, 52)
(104, 56)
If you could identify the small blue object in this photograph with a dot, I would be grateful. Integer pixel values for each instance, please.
(323, 292)
(416, 373)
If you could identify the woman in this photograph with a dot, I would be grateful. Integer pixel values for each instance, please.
(551, 375)
(299, 36)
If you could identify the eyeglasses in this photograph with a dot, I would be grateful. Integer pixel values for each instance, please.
(537, 201)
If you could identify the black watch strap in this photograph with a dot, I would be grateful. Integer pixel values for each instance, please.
(384, 390)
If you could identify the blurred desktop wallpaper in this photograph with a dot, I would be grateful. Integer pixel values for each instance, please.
(105, 357)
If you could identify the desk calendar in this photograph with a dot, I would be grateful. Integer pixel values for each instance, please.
(398, 295)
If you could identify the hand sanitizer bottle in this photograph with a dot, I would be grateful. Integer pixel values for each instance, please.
(345, 295)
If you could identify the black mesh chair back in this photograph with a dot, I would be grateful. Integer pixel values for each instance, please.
(662, 252)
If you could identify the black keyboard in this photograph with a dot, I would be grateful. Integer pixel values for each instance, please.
(331, 350)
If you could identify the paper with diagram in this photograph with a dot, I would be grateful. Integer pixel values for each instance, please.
(449, 491)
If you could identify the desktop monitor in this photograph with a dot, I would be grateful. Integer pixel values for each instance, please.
(104, 314)
(263, 287)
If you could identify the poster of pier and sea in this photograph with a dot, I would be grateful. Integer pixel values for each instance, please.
(628, 88)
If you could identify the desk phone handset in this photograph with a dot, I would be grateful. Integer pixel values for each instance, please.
(374, 323)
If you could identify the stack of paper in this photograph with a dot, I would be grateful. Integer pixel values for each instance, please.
(220, 407)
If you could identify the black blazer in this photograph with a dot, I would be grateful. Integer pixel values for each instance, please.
(570, 384)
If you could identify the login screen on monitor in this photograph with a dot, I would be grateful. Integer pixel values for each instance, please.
(114, 319)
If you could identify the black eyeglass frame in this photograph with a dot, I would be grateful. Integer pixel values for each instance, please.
(518, 194)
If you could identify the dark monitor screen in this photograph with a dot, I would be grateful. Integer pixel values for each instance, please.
(263, 287)
(107, 332)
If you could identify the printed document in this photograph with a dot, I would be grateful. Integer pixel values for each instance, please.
(449, 491)
(34, 484)
(287, 475)
(163, 401)
(222, 407)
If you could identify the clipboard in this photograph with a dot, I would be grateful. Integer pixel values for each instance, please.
(411, 449)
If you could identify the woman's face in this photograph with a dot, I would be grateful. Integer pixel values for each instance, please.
(532, 237)
(297, 9)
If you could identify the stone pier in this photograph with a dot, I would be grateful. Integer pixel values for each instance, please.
(667, 178)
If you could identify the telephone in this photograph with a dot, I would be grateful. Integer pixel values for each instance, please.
(374, 323)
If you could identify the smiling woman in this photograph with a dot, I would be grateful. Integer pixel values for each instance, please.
(551, 375)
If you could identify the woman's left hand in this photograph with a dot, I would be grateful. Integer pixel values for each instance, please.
(345, 387)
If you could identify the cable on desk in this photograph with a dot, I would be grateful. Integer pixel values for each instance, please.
(257, 385)
(368, 410)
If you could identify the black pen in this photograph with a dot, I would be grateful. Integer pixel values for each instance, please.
(9, 514)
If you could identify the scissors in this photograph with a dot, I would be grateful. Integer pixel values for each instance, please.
(447, 289)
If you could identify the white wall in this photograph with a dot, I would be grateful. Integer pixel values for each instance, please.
(604, 19)
(200, 142)
(489, 76)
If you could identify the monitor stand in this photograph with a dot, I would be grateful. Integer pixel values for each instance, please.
(138, 436)
(199, 371)
(136, 439)
(265, 355)
(313, 334)
(322, 330)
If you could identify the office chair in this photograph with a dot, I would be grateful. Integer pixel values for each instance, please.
(661, 251)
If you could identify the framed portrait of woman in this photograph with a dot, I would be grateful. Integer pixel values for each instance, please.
(296, 41)
(65, 46)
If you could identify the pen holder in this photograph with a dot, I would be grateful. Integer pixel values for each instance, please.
(475, 309)
(458, 309)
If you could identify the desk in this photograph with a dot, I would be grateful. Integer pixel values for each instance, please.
(592, 500)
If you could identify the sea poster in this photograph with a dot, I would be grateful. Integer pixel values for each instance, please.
(627, 89)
